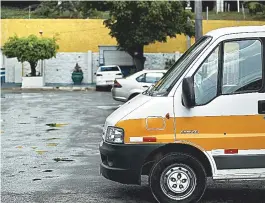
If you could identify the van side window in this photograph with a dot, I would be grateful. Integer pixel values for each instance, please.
(242, 66)
(205, 79)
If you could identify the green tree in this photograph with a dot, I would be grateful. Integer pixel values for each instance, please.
(30, 49)
(255, 7)
(135, 24)
(71, 9)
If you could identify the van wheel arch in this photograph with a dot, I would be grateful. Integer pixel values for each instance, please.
(159, 153)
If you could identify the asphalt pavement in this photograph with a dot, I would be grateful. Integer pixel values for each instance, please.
(49, 153)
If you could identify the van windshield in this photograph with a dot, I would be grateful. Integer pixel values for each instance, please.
(166, 83)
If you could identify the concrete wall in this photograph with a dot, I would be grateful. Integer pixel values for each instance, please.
(59, 69)
(158, 60)
(80, 35)
(15, 70)
(95, 58)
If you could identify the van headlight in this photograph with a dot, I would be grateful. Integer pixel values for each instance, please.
(114, 135)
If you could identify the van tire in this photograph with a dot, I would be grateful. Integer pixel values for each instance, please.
(166, 179)
(98, 88)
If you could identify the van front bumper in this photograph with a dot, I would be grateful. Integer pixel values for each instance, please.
(123, 162)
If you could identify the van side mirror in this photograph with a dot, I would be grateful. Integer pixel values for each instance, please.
(95, 73)
(188, 95)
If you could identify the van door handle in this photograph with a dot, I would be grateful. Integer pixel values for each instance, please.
(261, 107)
(145, 86)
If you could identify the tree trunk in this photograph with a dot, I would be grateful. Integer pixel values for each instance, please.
(138, 57)
(33, 66)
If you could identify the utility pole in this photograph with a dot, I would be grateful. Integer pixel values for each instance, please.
(188, 8)
(198, 19)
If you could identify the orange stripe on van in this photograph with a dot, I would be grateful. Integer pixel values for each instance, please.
(222, 124)
(138, 128)
(220, 132)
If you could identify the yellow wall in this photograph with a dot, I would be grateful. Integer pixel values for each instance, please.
(80, 35)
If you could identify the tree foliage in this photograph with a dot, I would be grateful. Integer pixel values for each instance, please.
(135, 24)
(71, 9)
(30, 49)
(255, 7)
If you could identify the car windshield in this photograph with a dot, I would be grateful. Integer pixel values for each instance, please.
(165, 84)
(109, 68)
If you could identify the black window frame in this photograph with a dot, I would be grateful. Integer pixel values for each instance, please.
(221, 67)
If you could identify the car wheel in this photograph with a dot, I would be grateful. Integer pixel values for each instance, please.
(97, 88)
(132, 96)
(177, 178)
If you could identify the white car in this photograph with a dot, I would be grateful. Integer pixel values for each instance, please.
(126, 88)
(106, 75)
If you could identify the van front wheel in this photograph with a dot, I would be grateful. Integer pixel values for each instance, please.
(177, 178)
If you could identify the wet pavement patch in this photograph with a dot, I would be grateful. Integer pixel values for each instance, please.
(51, 176)
(21, 172)
(62, 159)
(53, 138)
(52, 129)
(52, 144)
(36, 179)
(47, 171)
(41, 151)
(56, 124)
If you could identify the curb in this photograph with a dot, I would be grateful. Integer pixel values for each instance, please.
(50, 89)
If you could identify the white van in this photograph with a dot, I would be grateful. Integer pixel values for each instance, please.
(204, 118)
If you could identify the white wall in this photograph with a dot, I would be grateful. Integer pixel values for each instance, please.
(157, 60)
(14, 69)
(59, 69)
(95, 57)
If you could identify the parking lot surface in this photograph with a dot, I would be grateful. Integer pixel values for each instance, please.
(50, 153)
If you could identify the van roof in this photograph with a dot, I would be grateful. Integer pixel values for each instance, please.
(235, 30)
